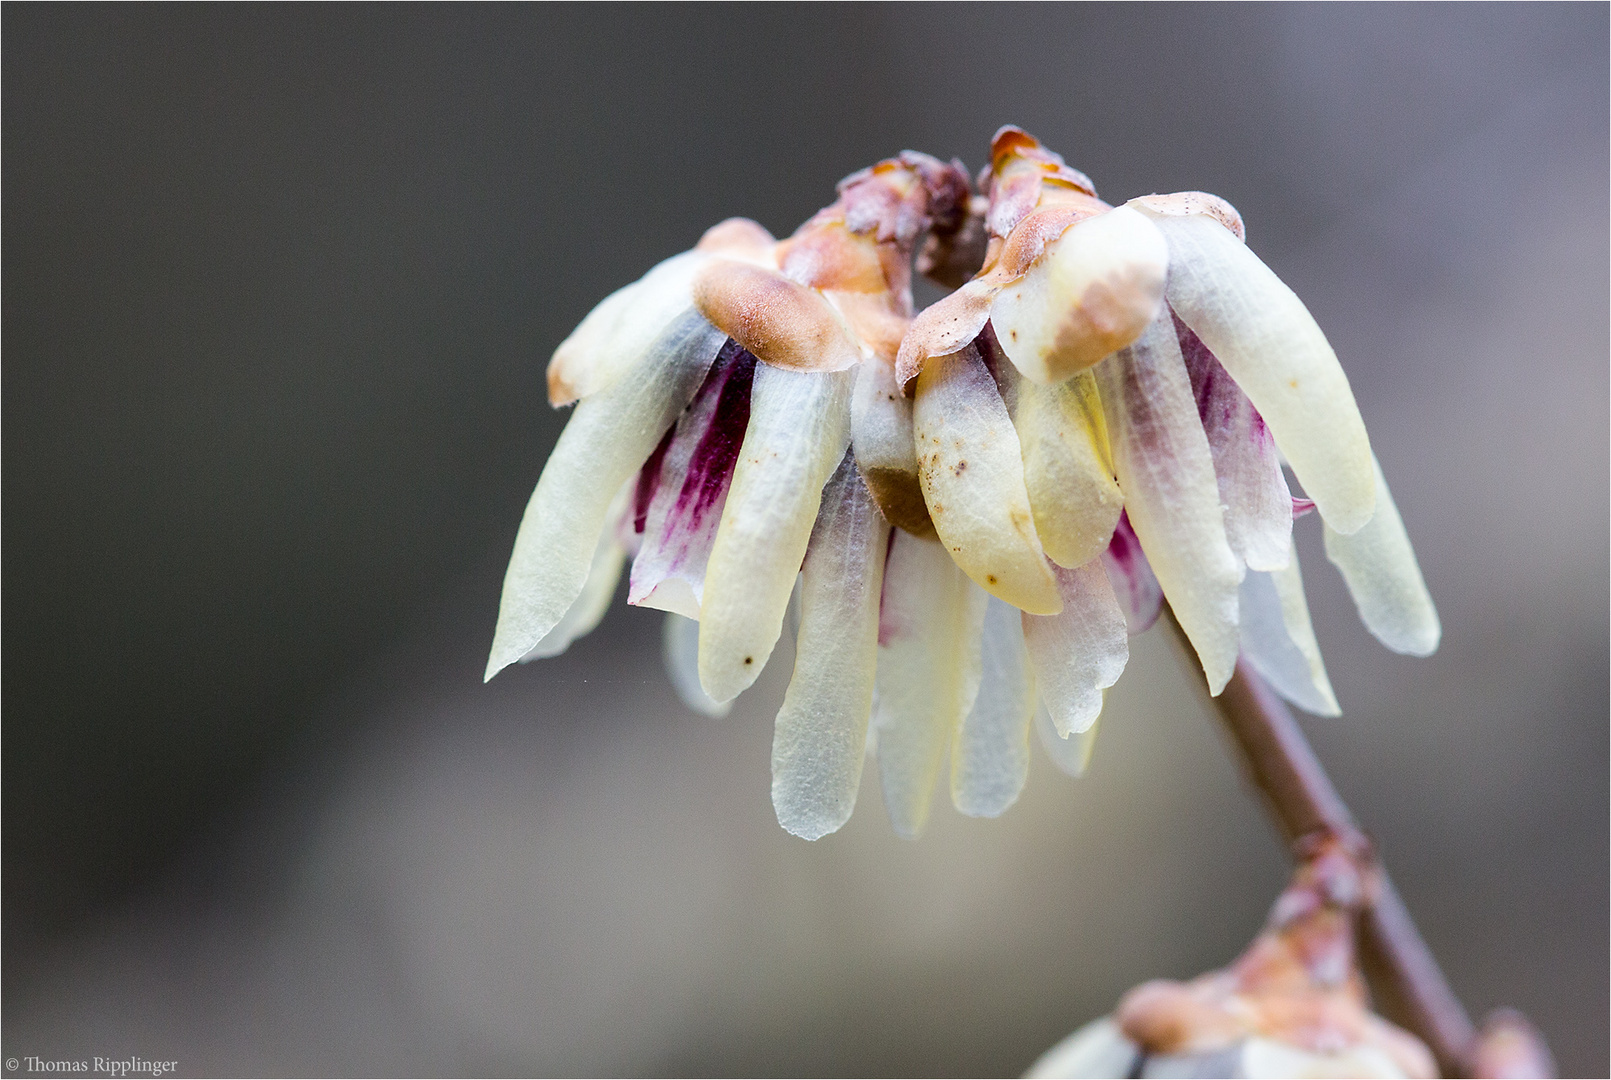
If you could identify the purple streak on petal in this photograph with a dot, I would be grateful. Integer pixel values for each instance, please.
(1301, 507)
(680, 521)
(648, 480)
(1138, 590)
(889, 627)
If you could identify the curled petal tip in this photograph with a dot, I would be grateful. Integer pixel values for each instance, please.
(782, 322)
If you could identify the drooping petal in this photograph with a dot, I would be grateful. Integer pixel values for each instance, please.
(990, 755)
(928, 672)
(679, 649)
(782, 322)
(1134, 584)
(944, 327)
(972, 472)
(1081, 651)
(1379, 566)
(1096, 288)
(607, 438)
(798, 431)
(820, 741)
(603, 574)
(690, 491)
(1171, 496)
(1099, 1048)
(1279, 641)
(1252, 487)
(881, 437)
(1072, 753)
(1270, 344)
(615, 335)
(1073, 495)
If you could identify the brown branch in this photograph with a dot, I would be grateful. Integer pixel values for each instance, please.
(1410, 988)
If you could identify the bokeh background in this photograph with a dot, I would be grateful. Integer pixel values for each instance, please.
(279, 286)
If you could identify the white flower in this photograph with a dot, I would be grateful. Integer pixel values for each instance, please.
(979, 506)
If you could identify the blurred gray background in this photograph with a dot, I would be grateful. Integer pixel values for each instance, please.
(279, 286)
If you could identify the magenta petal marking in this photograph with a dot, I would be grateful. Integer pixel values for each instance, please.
(680, 521)
(1130, 573)
(649, 479)
(1301, 507)
(1252, 488)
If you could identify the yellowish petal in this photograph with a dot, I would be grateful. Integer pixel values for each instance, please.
(881, 437)
(1379, 566)
(679, 649)
(990, 755)
(1279, 640)
(585, 612)
(1080, 652)
(1067, 473)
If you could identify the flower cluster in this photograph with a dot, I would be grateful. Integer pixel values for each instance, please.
(962, 516)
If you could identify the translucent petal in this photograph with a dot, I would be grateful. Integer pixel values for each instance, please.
(1379, 566)
(820, 741)
(679, 648)
(990, 756)
(798, 431)
(972, 471)
(881, 436)
(1134, 584)
(615, 335)
(1098, 1049)
(1094, 290)
(1171, 495)
(1073, 495)
(1071, 754)
(1252, 488)
(680, 522)
(1279, 641)
(1081, 651)
(602, 576)
(928, 672)
(1272, 347)
(607, 439)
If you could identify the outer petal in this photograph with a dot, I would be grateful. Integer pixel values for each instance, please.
(945, 327)
(690, 492)
(928, 672)
(679, 649)
(1130, 574)
(820, 741)
(971, 468)
(607, 438)
(1071, 754)
(799, 429)
(1096, 288)
(1279, 641)
(1067, 473)
(602, 576)
(781, 321)
(990, 755)
(1252, 488)
(1171, 495)
(1379, 566)
(1080, 652)
(1268, 341)
(881, 436)
(615, 334)
(1097, 1049)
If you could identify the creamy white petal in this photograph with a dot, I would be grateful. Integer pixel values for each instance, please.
(881, 436)
(1279, 641)
(607, 439)
(1379, 566)
(972, 471)
(689, 490)
(1081, 651)
(1094, 290)
(798, 431)
(1171, 495)
(1075, 500)
(990, 755)
(820, 740)
(1252, 488)
(1071, 754)
(679, 648)
(1099, 1049)
(602, 576)
(1272, 347)
(928, 672)
(1134, 584)
(621, 328)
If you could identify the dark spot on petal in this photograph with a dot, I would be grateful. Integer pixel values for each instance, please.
(749, 659)
(990, 578)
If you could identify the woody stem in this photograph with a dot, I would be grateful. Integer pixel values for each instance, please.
(1409, 986)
